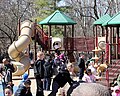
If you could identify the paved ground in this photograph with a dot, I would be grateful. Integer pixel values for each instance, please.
(17, 82)
(33, 85)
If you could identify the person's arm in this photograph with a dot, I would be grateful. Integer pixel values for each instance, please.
(1, 76)
(97, 77)
(69, 79)
(84, 78)
(79, 62)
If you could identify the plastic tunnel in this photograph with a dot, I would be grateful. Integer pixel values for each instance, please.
(15, 50)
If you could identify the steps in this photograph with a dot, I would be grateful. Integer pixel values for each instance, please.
(114, 70)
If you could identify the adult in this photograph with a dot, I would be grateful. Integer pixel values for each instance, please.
(8, 68)
(39, 72)
(81, 65)
(60, 80)
(48, 66)
(57, 61)
(91, 89)
(2, 73)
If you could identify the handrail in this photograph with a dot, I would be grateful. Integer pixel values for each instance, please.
(42, 36)
(102, 56)
(115, 71)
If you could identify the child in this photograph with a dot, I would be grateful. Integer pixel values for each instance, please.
(24, 89)
(70, 68)
(89, 77)
(8, 91)
(24, 77)
(93, 69)
(115, 90)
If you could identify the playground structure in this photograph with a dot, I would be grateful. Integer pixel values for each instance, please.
(106, 44)
(109, 29)
(107, 40)
(31, 30)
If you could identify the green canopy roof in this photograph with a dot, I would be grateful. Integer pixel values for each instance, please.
(57, 18)
(101, 20)
(115, 20)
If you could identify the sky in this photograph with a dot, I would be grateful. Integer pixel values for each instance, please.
(61, 3)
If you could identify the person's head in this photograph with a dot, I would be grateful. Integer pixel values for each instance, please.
(115, 91)
(40, 55)
(82, 56)
(5, 61)
(8, 91)
(91, 63)
(27, 83)
(88, 72)
(57, 51)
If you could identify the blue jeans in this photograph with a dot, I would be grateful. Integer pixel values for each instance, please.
(47, 83)
(81, 73)
(3, 85)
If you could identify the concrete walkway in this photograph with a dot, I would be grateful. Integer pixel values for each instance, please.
(33, 85)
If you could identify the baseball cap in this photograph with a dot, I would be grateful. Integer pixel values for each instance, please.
(25, 76)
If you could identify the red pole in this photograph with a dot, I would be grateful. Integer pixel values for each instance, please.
(107, 51)
(107, 77)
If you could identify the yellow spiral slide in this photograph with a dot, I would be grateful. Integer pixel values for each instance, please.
(15, 50)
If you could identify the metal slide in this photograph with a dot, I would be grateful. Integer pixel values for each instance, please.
(15, 50)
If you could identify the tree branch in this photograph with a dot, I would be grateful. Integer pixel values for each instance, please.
(6, 34)
(95, 9)
(9, 27)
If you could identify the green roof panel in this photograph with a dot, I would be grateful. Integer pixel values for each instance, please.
(103, 19)
(115, 20)
(57, 18)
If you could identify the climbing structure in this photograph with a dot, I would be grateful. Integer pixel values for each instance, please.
(59, 18)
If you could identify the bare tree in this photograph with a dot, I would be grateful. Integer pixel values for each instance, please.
(85, 12)
(10, 12)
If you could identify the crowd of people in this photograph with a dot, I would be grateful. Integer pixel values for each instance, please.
(45, 67)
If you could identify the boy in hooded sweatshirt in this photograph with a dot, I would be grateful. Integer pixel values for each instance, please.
(24, 89)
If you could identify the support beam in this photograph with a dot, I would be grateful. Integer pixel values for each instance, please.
(117, 42)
